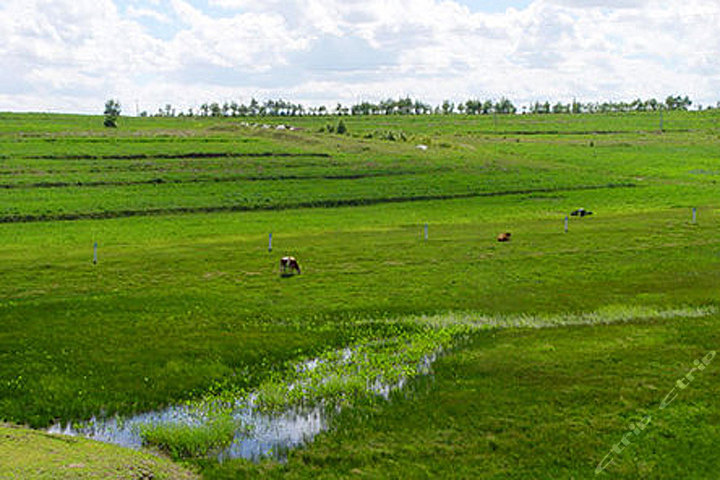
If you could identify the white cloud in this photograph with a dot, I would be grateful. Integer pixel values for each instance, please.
(73, 54)
(139, 13)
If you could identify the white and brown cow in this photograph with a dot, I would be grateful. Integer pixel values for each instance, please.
(288, 265)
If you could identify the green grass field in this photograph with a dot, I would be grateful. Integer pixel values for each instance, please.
(186, 300)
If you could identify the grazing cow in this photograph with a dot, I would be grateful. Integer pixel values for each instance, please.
(504, 237)
(288, 264)
(580, 212)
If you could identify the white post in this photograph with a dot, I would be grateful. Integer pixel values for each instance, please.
(566, 223)
(426, 231)
(95, 254)
(270, 242)
(694, 215)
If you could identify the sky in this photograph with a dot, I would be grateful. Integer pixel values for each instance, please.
(73, 55)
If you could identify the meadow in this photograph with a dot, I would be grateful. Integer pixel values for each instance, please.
(574, 334)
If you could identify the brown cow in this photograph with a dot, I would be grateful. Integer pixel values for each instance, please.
(288, 265)
(504, 237)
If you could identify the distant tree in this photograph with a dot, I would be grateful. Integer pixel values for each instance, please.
(364, 108)
(112, 112)
(678, 102)
(341, 128)
(473, 107)
(448, 107)
(559, 108)
(215, 110)
(405, 106)
(504, 106)
(388, 106)
(168, 111)
(254, 107)
(576, 107)
(485, 107)
(420, 108)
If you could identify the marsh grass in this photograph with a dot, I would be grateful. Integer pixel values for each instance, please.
(603, 316)
(372, 367)
(187, 440)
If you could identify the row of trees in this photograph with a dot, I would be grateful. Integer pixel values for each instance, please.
(404, 106)
(638, 105)
(401, 106)
(234, 109)
(408, 106)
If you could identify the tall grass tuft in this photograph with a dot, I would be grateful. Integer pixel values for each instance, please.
(182, 441)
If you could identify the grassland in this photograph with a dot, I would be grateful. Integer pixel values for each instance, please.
(29, 454)
(186, 299)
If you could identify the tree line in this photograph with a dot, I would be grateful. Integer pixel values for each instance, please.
(638, 105)
(409, 106)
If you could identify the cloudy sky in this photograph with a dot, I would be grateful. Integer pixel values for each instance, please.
(72, 55)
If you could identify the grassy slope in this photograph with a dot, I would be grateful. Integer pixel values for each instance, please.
(180, 304)
(28, 454)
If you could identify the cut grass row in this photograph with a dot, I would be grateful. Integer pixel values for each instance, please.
(269, 194)
(163, 205)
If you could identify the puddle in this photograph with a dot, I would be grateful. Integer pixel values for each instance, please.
(269, 434)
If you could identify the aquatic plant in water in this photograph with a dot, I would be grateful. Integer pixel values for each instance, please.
(372, 367)
(182, 440)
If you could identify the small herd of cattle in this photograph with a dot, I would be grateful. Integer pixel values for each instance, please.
(288, 265)
(580, 212)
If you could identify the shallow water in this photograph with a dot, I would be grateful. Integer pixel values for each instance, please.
(268, 435)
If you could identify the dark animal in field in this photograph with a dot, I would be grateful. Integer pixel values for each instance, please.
(288, 265)
(504, 237)
(580, 212)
